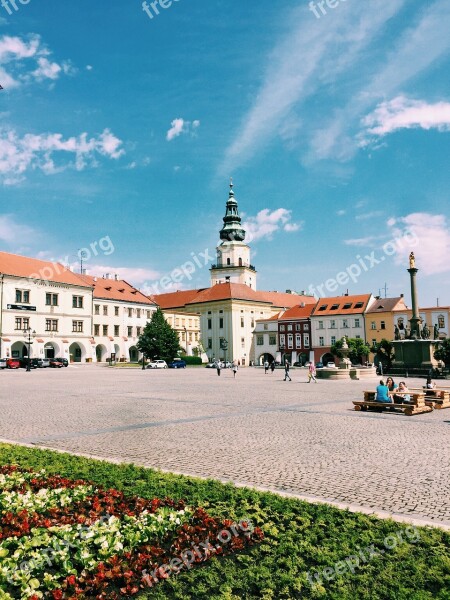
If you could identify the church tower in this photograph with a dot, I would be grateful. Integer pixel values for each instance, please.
(233, 254)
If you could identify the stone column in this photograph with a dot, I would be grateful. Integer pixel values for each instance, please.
(415, 321)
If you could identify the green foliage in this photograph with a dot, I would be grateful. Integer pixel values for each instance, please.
(443, 351)
(359, 350)
(300, 538)
(192, 360)
(159, 340)
(385, 352)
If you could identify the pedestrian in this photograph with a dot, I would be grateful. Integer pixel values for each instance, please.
(235, 368)
(312, 372)
(218, 367)
(272, 366)
(266, 367)
(286, 371)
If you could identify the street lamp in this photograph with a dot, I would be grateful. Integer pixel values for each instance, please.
(224, 346)
(29, 336)
(186, 339)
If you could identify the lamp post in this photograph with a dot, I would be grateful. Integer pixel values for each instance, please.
(186, 339)
(29, 335)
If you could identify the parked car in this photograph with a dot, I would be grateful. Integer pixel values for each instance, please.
(157, 364)
(24, 363)
(319, 365)
(64, 361)
(43, 363)
(177, 363)
(13, 363)
(226, 364)
(297, 364)
(210, 365)
(55, 364)
(331, 365)
(2, 363)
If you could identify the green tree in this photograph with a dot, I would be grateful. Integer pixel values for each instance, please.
(443, 352)
(358, 350)
(385, 352)
(158, 339)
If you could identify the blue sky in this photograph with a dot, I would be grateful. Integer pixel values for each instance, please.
(121, 131)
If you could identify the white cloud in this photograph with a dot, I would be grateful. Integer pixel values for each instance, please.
(19, 154)
(371, 241)
(374, 214)
(134, 275)
(267, 222)
(430, 241)
(341, 213)
(23, 61)
(180, 126)
(12, 232)
(404, 113)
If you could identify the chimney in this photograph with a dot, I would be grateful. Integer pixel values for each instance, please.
(402, 295)
(95, 279)
(116, 277)
(288, 291)
(107, 275)
(302, 305)
(227, 279)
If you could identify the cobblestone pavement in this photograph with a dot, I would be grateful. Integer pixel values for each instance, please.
(257, 430)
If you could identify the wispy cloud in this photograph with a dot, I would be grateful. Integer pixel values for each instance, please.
(19, 154)
(404, 113)
(12, 232)
(266, 223)
(135, 275)
(374, 214)
(180, 126)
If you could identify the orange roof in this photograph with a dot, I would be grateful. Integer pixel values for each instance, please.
(342, 305)
(115, 289)
(387, 305)
(33, 268)
(297, 312)
(229, 291)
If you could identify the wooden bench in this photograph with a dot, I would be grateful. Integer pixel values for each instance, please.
(439, 397)
(416, 406)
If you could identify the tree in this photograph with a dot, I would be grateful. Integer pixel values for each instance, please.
(358, 350)
(443, 352)
(158, 339)
(385, 352)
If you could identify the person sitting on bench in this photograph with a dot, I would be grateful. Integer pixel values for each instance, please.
(429, 387)
(382, 394)
(402, 395)
(391, 385)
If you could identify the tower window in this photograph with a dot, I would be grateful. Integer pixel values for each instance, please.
(240, 262)
(228, 261)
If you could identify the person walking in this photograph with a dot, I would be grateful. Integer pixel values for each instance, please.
(266, 367)
(312, 372)
(218, 367)
(272, 366)
(286, 371)
(235, 368)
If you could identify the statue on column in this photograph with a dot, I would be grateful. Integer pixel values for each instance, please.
(436, 332)
(426, 332)
(397, 333)
(412, 261)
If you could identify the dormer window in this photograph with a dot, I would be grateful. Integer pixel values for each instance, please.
(323, 307)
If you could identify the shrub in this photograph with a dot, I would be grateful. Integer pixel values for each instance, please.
(192, 360)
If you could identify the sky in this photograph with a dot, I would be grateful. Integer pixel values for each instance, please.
(120, 129)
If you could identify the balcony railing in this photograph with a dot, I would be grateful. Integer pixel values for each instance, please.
(233, 266)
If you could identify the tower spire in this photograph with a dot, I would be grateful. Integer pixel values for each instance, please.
(232, 229)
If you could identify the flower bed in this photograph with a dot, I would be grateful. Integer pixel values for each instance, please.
(72, 539)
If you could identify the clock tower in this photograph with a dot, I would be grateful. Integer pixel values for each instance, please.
(233, 254)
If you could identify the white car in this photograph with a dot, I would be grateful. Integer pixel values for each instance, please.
(331, 365)
(157, 364)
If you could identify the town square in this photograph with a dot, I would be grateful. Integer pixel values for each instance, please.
(224, 300)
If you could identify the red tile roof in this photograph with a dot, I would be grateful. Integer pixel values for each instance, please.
(33, 268)
(341, 305)
(175, 299)
(115, 289)
(297, 312)
(387, 305)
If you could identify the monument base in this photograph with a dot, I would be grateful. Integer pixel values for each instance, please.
(352, 373)
(414, 357)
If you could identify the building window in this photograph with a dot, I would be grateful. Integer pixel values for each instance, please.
(97, 309)
(209, 323)
(358, 337)
(320, 324)
(148, 315)
(77, 326)
(382, 325)
(221, 322)
(105, 330)
(138, 313)
(289, 327)
(357, 323)
(242, 322)
(252, 324)
(116, 311)
(441, 322)
(282, 340)
(209, 343)
(321, 341)
(332, 324)
(345, 323)
(306, 340)
(260, 340)
(22, 323)
(290, 341)
(130, 312)
(298, 340)
(196, 336)
(97, 330)
(51, 299)
(116, 330)
(138, 331)
(51, 324)
(266, 327)
(272, 340)
(306, 327)
(297, 327)
(242, 342)
(333, 340)
(77, 301)
(23, 296)
(105, 309)
(282, 328)
(373, 325)
(129, 331)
